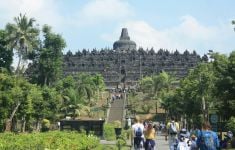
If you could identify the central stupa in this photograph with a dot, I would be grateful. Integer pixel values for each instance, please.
(124, 42)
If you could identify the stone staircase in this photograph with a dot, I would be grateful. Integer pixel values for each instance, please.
(116, 111)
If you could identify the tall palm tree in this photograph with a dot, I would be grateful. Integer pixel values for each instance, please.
(85, 86)
(22, 37)
(99, 84)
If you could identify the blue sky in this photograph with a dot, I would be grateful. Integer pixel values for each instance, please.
(198, 25)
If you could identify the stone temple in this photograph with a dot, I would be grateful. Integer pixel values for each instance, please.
(125, 64)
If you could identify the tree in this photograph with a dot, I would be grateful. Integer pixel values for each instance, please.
(49, 65)
(85, 87)
(99, 83)
(146, 85)
(6, 55)
(23, 38)
(225, 84)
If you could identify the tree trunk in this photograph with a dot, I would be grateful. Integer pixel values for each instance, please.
(18, 65)
(38, 125)
(45, 80)
(9, 120)
(23, 124)
(204, 108)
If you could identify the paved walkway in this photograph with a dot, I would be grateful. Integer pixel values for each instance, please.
(116, 110)
(162, 144)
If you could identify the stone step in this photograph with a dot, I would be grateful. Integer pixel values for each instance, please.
(116, 110)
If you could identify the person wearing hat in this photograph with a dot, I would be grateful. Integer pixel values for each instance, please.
(184, 142)
(193, 145)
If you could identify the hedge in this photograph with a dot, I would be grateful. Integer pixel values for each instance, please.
(55, 140)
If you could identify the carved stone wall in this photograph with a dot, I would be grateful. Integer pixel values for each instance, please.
(125, 64)
(116, 66)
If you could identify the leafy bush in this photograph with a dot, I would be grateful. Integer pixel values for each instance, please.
(45, 125)
(146, 108)
(121, 142)
(231, 124)
(48, 140)
(117, 124)
(109, 133)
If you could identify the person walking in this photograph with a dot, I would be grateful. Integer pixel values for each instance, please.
(183, 140)
(150, 134)
(172, 131)
(207, 139)
(137, 137)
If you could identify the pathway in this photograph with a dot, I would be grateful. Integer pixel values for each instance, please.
(162, 144)
(116, 110)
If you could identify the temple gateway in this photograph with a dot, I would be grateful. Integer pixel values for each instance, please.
(125, 64)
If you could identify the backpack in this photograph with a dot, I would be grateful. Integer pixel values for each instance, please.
(138, 132)
(172, 128)
(207, 141)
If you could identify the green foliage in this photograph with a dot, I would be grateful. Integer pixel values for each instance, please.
(6, 55)
(45, 125)
(231, 125)
(109, 133)
(49, 140)
(146, 84)
(225, 84)
(50, 60)
(22, 37)
(117, 124)
(146, 108)
(120, 142)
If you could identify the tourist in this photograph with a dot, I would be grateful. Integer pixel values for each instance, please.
(207, 139)
(183, 140)
(137, 133)
(172, 131)
(150, 134)
(193, 145)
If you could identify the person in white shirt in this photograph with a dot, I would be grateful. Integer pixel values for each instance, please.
(183, 142)
(137, 134)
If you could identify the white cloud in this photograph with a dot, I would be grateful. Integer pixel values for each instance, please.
(189, 34)
(45, 11)
(103, 11)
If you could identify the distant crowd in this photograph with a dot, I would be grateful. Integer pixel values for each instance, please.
(144, 135)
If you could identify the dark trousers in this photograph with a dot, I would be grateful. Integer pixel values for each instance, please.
(149, 144)
(137, 141)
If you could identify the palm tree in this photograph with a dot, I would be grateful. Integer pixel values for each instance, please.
(162, 83)
(99, 84)
(85, 86)
(23, 38)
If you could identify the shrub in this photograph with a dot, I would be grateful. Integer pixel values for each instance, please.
(231, 124)
(146, 108)
(117, 124)
(109, 133)
(45, 125)
(48, 140)
(120, 142)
